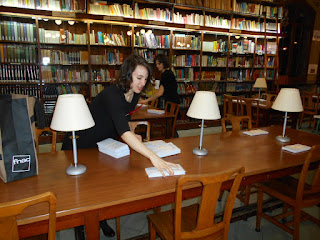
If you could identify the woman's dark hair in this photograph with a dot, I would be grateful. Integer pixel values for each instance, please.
(126, 70)
(161, 58)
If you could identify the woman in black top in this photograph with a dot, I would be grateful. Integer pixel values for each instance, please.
(168, 84)
(111, 111)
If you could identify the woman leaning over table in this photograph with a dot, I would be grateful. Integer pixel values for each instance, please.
(111, 110)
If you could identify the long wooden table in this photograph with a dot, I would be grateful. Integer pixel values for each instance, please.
(167, 118)
(115, 187)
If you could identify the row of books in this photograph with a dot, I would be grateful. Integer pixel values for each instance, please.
(218, 87)
(270, 61)
(157, 14)
(62, 36)
(57, 74)
(270, 74)
(242, 46)
(240, 62)
(185, 102)
(147, 40)
(96, 89)
(213, 75)
(102, 8)
(239, 75)
(259, 61)
(212, 61)
(234, 87)
(17, 31)
(186, 41)
(191, 19)
(186, 60)
(147, 54)
(52, 92)
(110, 57)
(104, 75)
(19, 73)
(186, 74)
(31, 90)
(112, 39)
(215, 46)
(65, 58)
(258, 9)
(217, 22)
(187, 88)
(53, 5)
(18, 53)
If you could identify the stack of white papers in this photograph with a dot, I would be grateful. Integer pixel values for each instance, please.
(155, 111)
(296, 148)
(255, 132)
(162, 148)
(154, 172)
(113, 148)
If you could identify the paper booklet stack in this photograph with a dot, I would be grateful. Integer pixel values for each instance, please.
(296, 148)
(113, 148)
(155, 111)
(162, 148)
(154, 172)
(255, 132)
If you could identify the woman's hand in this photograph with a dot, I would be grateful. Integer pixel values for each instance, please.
(163, 165)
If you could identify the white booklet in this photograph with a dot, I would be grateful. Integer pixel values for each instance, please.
(154, 172)
(113, 148)
(255, 132)
(155, 111)
(162, 148)
(296, 148)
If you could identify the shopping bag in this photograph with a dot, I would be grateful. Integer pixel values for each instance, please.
(18, 157)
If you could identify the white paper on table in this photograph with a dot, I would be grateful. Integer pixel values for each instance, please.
(255, 132)
(296, 148)
(154, 172)
(162, 148)
(155, 111)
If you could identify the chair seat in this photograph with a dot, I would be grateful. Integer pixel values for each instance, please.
(285, 189)
(164, 221)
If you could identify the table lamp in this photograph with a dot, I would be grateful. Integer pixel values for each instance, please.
(288, 100)
(260, 83)
(204, 106)
(72, 114)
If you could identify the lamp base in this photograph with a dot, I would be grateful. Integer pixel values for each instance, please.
(200, 152)
(283, 139)
(72, 170)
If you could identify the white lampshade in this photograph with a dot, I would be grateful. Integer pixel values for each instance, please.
(71, 114)
(260, 83)
(288, 100)
(204, 106)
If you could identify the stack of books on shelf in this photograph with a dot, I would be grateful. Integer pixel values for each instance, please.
(58, 74)
(185, 74)
(62, 36)
(157, 14)
(19, 73)
(211, 75)
(102, 8)
(17, 31)
(18, 53)
(103, 75)
(190, 19)
(215, 46)
(96, 89)
(217, 22)
(111, 58)
(186, 60)
(112, 39)
(113, 148)
(184, 41)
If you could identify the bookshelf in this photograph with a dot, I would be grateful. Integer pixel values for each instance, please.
(221, 46)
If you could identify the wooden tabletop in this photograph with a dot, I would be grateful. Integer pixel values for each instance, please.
(113, 187)
(143, 114)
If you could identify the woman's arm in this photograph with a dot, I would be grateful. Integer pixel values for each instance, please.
(158, 94)
(138, 146)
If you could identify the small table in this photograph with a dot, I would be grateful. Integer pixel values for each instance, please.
(143, 115)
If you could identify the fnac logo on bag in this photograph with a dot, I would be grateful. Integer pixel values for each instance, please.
(21, 163)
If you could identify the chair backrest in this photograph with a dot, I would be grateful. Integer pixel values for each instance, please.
(269, 98)
(252, 109)
(172, 108)
(237, 122)
(206, 224)
(9, 211)
(231, 105)
(310, 103)
(314, 188)
(39, 131)
(133, 126)
(154, 103)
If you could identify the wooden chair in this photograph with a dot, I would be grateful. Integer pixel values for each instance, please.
(197, 222)
(231, 105)
(173, 108)
(154, 103)
(310, 107)
(251, 108)
(296, 195)
(133, 125)
(39, 131)
(237, 122)
(10, 210)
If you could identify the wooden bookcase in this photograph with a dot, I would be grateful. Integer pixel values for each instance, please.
(218, 45)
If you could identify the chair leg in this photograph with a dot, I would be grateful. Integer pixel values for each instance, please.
(247, 192)
(301, 119)
(259, 209)
(118, 228)
(220, 196)
(296, 223)
(152, 231)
